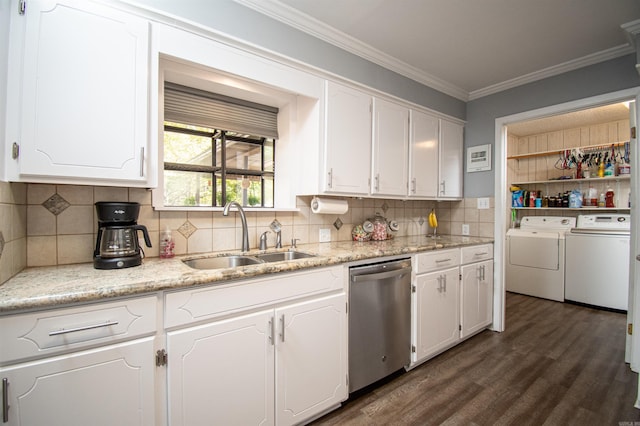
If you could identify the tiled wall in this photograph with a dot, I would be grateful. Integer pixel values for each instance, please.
(13, 229)
(56, 224)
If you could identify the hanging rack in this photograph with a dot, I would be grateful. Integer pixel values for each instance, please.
(561, 151)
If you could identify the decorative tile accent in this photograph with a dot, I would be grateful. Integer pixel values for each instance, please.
(1, 243)
(338, 224)
(421, 221)
(385, 207)
(187, 229)
(56, 204)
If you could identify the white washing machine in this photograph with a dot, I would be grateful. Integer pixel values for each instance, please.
(535, 256)
(597, 261)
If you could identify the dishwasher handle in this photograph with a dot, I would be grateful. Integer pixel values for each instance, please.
(381, 275)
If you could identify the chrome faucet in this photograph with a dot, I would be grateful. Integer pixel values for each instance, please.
(243, 217)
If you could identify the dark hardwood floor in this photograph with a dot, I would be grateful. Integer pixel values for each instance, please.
(556, 364)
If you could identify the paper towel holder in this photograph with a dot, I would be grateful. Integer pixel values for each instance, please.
(328, 206)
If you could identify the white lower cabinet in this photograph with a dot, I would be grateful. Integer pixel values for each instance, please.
(477, 289)
(222, 372)
(91, 365)
(450, 302)
(437, 315)
(280, 365)
(107, 386)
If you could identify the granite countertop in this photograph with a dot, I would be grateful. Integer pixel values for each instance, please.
(52, 286)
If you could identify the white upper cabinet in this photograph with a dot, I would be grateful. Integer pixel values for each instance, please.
(390, 148)
(450, 168)
(423, 155)
(82, 104)
(347, 153)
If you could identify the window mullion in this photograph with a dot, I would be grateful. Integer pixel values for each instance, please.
(223, 163)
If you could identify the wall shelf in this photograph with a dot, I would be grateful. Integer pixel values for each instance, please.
(596, 179)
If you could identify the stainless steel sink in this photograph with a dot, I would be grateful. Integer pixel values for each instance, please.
(220, 262)
(235, 260)
(283, 255)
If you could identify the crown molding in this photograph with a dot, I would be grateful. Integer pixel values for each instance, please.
(309, 25)
(605, 55)
(631, 30)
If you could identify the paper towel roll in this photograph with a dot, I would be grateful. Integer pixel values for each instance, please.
(329, 206)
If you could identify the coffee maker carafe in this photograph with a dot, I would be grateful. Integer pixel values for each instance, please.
(117, 242)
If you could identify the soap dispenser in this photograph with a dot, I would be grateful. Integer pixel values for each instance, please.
(167, 245)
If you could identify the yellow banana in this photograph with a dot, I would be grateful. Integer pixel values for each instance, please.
(433, 220)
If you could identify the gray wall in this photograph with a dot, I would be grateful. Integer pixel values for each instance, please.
(598, 79)
(236, 20)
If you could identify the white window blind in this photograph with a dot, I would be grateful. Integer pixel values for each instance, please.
(200, 108)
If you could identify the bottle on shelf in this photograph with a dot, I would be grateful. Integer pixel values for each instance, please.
(609, 198)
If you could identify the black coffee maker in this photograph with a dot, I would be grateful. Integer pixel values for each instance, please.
(117, 242)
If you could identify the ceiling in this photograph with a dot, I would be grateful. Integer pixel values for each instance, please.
(467, 48)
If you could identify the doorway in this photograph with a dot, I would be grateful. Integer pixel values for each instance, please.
(502, 193)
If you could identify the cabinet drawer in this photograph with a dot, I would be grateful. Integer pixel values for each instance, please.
(44, 333)
(190, 306)
(434, 260)
(476, 253)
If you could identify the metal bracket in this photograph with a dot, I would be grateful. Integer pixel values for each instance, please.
(15, 151)
(161, 358)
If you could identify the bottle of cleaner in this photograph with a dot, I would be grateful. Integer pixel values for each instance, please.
(609, 198)
(167, 245)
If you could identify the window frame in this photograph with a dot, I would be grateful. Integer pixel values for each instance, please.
(223, 171)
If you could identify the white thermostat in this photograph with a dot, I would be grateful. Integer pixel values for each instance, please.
(478, 158)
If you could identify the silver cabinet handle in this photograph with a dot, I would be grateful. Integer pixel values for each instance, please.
(330, 177)
(443, 260)
(482, 269)
(442, 184)
(413, 185)
(282, 325)
(439, 283)
(484, 253)
(376, 182)
(444, 280)
(142, 162)
(86, 327)
(5, 400)
(272, 331)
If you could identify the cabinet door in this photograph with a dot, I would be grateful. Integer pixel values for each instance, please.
(477, 297)
(451, 140)
(84, 93)
(311, 358)
(423, 155)
(390, 148)
(105, 386)
(222, 373)
(437, 312)
(347, 141)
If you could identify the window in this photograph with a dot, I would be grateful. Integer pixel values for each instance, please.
(217, 149)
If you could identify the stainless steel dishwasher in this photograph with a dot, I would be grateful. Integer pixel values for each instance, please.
(379, 321)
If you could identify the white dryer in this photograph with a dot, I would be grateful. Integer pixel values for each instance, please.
(597, 264)
(535, 256)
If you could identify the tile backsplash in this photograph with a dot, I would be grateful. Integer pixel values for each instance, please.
(44, 225)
